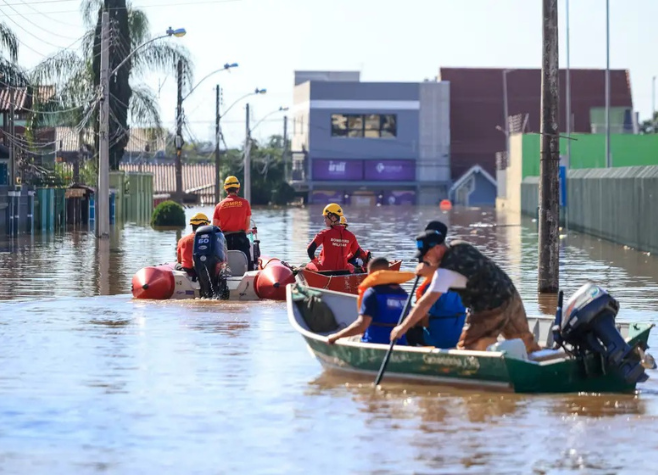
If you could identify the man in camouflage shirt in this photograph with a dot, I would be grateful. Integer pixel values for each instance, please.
(494, 305)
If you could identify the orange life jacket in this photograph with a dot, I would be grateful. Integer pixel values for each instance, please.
(382, 277)
(421, 288)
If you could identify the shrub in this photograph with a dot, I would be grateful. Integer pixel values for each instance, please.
(168, 213)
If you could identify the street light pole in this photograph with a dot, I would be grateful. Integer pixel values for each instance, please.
(218, 178)
(568, 98)
(506, 112)
(653, 104)
(103, 191)
(179, 133)
(247, 160)
(608, 158)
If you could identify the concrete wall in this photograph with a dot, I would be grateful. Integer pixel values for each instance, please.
(617, 204)
(434, 133)
(510, 196)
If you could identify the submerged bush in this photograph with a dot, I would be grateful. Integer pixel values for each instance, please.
(168, 213)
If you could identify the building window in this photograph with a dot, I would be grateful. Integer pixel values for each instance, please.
(338, 125)
(364, 125)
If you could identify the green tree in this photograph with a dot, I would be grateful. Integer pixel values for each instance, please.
(76, 74)
(268, 181)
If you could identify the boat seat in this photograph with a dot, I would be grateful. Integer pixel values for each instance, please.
(547, 354)
(237, 263)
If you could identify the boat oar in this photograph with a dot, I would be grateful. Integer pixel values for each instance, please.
(390, 348)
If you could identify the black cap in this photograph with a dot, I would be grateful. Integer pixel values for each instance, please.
(437, 226)
(428, 239)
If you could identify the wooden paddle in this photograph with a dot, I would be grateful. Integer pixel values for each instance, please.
(390, 348)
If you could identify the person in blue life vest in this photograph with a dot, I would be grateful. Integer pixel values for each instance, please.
(443, 324)
(381, 301)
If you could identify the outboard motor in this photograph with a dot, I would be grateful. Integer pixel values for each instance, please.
(210, 257)
(255, 245)
(588, 325)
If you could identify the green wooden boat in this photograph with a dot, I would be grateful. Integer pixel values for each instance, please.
(508, 369)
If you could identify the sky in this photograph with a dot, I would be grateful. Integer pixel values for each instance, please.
(386, 40)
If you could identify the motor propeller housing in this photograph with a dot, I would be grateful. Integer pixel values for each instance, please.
(588, 325)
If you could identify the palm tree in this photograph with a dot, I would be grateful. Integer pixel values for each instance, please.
(76, 74)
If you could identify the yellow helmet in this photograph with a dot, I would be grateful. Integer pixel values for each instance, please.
(332, 208)
(343, 221)
(231, 182)
(199, 219)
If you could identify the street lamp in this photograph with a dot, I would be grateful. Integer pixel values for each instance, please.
(103, 191)
(226, 67)
(218, 134)
(247, 151)
(280, 109)
(179, 121)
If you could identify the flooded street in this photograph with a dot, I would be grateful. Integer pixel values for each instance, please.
(95, 382)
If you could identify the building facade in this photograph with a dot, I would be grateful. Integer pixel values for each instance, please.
(370, 143)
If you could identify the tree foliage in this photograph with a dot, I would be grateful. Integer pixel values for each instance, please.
(76, 75)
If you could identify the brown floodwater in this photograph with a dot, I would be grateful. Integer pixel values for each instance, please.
(92, 381)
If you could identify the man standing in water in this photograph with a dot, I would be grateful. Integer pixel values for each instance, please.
(494, 305)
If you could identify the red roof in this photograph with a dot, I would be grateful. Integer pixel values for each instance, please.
(477, 107)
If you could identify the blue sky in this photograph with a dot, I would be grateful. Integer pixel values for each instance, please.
(386, 40)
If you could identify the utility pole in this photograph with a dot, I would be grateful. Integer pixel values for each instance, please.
(506, 112)
(12, 136)
(568, 93)
(103, 194)
(247, 161)
(179, 134)
(608, 158)
(285, 148)
(653, 104)
(549, 206)
(218, 178)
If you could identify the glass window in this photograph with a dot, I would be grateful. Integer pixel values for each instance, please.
(338, 125)
(355, 126)
(389, 125)
(373, 125)
(364, 125)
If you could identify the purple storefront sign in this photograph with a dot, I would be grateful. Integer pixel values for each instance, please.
(406, 197)
(390, 170)
(326, 197)
(334, 170)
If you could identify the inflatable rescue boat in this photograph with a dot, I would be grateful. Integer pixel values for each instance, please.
(220, 274)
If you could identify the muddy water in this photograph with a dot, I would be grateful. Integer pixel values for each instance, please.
(92, 381)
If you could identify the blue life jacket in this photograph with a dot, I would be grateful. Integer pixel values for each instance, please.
(390, 306)
(446, 321)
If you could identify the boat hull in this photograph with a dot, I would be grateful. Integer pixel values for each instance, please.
(164, 282)
(348, 284)
(552, 372)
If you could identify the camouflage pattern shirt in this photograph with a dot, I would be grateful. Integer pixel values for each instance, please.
(487, 286)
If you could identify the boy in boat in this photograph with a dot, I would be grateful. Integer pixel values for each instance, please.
(185, 248)
(494, 305)
(233, 216)
(381, 303)
(338, 244)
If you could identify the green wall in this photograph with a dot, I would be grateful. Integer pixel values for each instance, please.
(588, 151)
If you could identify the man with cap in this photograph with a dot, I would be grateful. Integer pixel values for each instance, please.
(185, 247)
(233, 216)
(494, 305)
